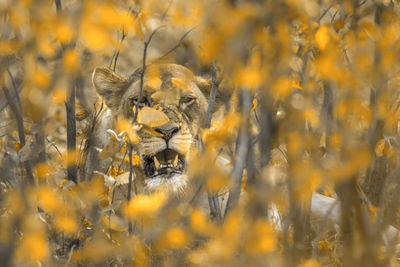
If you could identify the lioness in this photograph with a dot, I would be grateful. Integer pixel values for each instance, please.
(164, 149)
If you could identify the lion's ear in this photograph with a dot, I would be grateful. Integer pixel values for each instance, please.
(110, 86)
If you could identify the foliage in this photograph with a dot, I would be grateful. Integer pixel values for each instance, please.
(313, 107)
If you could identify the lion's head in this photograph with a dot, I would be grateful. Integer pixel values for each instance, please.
(164, 149)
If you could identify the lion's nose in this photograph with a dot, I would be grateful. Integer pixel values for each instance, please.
(167, 130)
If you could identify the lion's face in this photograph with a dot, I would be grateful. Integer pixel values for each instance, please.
(164, 149)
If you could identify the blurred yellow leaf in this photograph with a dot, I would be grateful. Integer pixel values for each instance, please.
(17, 146)
(34, 247)
(64, 33)
(176, 238)
(41, 77)
(6, 47)
(153, 77)
(282, 87)
(48, 199)
(324, 245)
(310, 263)
(124, 125)
(71, 157)
(380, 147)
(59, 96)
(66, 224)
(217, 182)
(152, 117)
(262, 238)
(199, 222)
(42, 170)
(145, 205)
(95, 36)
(322, 37)
(71, 60)
(179, 83)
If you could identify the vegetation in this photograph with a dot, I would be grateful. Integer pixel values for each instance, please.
(313, 113)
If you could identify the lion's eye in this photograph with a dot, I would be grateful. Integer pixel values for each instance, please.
(188, 100)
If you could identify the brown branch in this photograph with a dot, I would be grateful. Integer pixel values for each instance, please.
(146, 45)
(71, 134)
(21, 134)
(241, 152)
(58, 6)
(213, 202)
(166, 10)
(117, 50)
(178, 44)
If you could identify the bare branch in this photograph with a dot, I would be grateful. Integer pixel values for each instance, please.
(178, 44)
(241, 152)
(21, 134)
(146, 45)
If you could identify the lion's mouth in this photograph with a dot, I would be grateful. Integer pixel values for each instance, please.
(164, 163)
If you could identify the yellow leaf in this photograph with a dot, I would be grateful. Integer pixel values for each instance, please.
(114, 172)
(310, 263)
(95, 36)
(296, 84)
(66, 224)
(322, 37)
(6, 48)
(123, 125)
(282, 87)
(262, 238)
(153, 77)
(176, 237)
(41, 78)
(380, 147)
(64, 33)
(136, 159)
(48, 199)
(199, 222)
(71, 60)
(216, 182)
(42, 170)
(34, 247)
(179, 83)
(145, 205)
(17, 146)
(59, 96)
(152, 117)
(81, 115)
(324, 245)
(254, 104)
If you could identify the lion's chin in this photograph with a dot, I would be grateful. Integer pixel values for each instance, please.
(175, 184)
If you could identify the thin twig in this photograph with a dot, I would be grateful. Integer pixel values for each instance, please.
(215, 210)
(178, 44)
(71, 134)
(53, 145)
(58, 6)
(146, 45)
(20, 126)
(166, 10)
(324, 13)
(130, 147)
(116, 53)
(241, 153)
